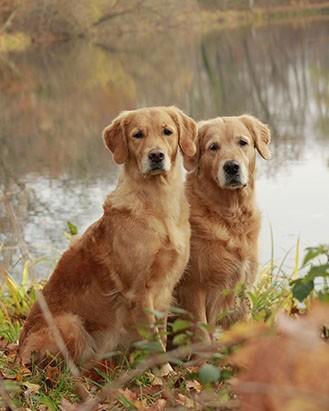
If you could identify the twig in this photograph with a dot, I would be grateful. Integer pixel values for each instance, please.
(8, 21)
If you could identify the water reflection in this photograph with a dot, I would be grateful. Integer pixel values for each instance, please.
(55, 102)
(280, 74)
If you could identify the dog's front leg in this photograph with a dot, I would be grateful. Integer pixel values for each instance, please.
(154, 323)
(193, 299)
(145, 316)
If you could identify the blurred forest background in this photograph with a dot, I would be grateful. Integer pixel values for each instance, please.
(45, 21)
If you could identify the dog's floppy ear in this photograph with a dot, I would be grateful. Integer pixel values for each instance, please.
(192, 163)
(261, 134)
(115, 139)
(187, 132)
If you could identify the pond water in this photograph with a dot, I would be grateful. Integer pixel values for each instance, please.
(54, 103)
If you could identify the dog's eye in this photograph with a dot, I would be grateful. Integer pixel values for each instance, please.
(243, 142)
(138, 134)
(167, 131)
(214, 147)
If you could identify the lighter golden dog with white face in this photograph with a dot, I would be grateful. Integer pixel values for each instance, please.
(127, 264)
(225, 221)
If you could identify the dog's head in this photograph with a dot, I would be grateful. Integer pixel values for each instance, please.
(148, 138)
(226, 150)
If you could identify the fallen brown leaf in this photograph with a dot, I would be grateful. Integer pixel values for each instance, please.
(160, 405)
(288, 370)
(194, 385)
(3, 344)
(7, 376)
(30, 390)
(22, 373)
(185, 401)
(67, 405)
(154, 379)
(129, 394)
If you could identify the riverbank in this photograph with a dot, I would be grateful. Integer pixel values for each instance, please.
(264, 14)
(24, 24)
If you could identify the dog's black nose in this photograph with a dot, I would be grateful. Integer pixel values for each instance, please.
(156, 156)
(231, 167)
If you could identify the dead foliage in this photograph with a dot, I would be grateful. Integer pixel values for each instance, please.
(286, 370)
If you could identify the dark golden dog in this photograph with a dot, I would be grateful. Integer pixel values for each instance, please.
(127, 263)
(224, 219)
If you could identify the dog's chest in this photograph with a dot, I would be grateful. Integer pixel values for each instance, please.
(171, 233)
(220, 250)
(173, 242)
(148, 247)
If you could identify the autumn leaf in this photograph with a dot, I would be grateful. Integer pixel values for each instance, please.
(242, 331)
(185, 401)
(31, 389)
(160, 405)
(288, 370)
(193, 385)
(155, 380)
(67, 405)
(3, 344)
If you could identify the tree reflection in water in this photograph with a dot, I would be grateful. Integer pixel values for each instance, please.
(55, 102)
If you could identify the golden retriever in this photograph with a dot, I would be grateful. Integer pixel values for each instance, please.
(224, 219)
(126, 265)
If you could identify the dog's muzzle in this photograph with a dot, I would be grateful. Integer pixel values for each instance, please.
(233, 174)
(156, 160)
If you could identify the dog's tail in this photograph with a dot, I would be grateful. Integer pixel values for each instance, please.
(66, 337)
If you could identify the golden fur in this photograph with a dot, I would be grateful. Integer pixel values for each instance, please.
(225, 221)
(127, 263)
